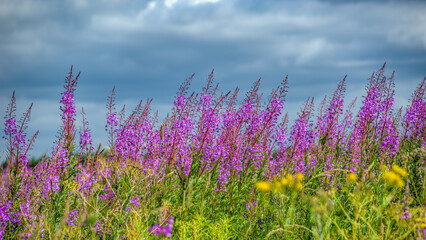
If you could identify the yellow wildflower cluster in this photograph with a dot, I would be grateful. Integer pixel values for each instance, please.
(264, 186)
(399, 170)
(395, 175)
(351, 177)
(289, 181)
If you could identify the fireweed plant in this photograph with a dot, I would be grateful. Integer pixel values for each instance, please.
(224, 166)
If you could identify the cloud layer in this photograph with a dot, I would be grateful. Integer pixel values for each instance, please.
(146, 48)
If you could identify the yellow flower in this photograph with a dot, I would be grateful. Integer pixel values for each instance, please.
(298, 186)
(289, 178)
(299, 176)
(383, 167)
(390, 176)
(400, 183)
(393, 178)
(277, 185)
(263, 186)
(284, 182)
(351, 177)
(399, 170)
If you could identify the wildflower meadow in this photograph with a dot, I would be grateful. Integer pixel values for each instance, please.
(223, 165)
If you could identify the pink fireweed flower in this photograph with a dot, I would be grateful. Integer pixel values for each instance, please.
(86, 180)
(10, 127)
(85, 139)
(301, 138)
(16, 137)
(72, 217)
(98, 227)
(249, 206)
(160, 230)
(60, 157)
(112, 120)
(415, 117)
(134, 203)
(51, 184)
(25, 208)
(406, 214)
(85, 135)
(68, 108)
(5, 217)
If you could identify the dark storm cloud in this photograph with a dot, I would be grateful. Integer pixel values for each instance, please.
(147, 48)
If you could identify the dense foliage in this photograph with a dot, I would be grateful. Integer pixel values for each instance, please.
(219, 168)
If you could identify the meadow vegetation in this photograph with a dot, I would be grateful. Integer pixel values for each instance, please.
(221, 168)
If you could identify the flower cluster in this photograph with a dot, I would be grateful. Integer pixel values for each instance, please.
(159, 229)
(395, 176)
(72, 217)
(209, 135)
(69, 113)
(351, 177)
(10, 127)
(288, 182)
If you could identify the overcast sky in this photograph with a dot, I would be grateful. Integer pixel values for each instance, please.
(147, 48)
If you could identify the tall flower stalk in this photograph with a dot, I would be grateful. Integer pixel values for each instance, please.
(211, 150)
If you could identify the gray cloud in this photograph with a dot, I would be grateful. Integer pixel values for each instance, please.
(146, 48)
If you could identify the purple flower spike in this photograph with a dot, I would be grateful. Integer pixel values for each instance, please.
(72, 217)
(159, 230)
